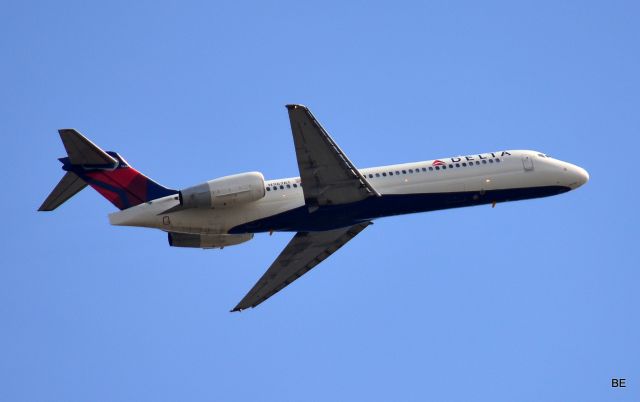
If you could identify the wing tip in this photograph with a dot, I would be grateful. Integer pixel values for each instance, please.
(67, 130)
(294, 106)
(244, 306)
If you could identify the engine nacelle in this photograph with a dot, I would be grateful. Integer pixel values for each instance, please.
(207, 240)
(225, 191)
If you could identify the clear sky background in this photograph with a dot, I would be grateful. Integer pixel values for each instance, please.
(530, 301)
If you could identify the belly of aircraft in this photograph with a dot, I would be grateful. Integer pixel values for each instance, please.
(331, 217)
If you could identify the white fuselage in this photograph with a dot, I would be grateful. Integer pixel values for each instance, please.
(472, 176)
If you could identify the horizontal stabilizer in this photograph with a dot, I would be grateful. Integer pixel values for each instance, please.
(81, 151)
(69, 185)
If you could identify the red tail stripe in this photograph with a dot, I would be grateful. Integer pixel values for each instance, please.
(127, 179)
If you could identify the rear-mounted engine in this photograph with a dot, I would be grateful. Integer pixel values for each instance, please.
(225, 191)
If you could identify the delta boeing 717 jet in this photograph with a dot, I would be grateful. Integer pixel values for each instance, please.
(326, 206)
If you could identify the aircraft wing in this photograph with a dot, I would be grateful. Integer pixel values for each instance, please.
(328, 176)
(304, 251)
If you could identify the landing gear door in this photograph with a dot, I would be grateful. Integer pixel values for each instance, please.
(527, 162)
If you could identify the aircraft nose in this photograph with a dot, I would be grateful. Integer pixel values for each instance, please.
(584, 176)
(579, 176)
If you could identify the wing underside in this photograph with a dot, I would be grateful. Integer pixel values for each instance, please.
(304, 251)
(327, 174)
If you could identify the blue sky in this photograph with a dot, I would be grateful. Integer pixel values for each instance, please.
(530, 301)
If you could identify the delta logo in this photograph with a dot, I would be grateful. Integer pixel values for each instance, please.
(476, 157)
(471, 158)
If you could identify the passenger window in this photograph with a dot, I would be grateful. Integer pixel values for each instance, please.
(404, 172)
(281, 187)
(275, 188)
(451, 166)
(390, 173)
(377, 174)
(457, 165)
(424, 169)
(477, 162)
(484, 162)
(410, 170)
(444, 167)
(370, 176)
(490, 160)
(384, 174)
(497, 159)
(431, 168)
(268, 188)
(397, 172)
(437, 167)
(295, 185)
(464, 164)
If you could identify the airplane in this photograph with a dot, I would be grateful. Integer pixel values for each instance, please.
(327, 205)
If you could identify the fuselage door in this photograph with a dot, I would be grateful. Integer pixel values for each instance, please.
(527, 162)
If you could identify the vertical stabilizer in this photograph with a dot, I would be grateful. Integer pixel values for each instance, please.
(107, 172)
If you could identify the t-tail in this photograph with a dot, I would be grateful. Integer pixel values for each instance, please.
(107, 172)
